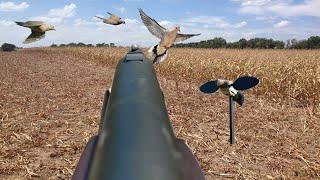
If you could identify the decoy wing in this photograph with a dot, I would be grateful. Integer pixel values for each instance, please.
(209, 87)
(34, 36)
(245, 82)
(153, 26)
(182, 37)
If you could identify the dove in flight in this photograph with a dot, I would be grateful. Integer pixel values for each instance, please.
(113, 19)
(38, 30)
(167, 37)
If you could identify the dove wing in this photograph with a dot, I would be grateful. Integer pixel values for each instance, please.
(33, 23)
(100, 17)
(30, 24)
(182, 37)
(114, 17)
(34, 36)
(153, 26)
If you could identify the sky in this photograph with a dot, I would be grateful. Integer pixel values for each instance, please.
(231, 19)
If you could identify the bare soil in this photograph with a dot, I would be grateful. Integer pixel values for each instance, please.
(50, 106)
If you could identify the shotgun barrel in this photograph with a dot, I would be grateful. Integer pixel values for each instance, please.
(136, 140)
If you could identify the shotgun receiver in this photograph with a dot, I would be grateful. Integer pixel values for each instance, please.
(135, 139)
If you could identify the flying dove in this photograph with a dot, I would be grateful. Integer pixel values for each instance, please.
(38, 30)
(113, 19)
(167, 37)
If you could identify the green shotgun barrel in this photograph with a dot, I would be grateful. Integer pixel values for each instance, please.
(136, 141)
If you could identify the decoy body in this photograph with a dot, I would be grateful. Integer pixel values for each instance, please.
(167, 37)
(112, 20)
(38, 30)
(226, 88)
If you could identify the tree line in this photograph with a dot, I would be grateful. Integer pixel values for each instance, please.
(80, 44)
(312, 42)
(8, 47)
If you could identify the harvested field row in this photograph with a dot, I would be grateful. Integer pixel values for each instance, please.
(287, 76)
(50, 101)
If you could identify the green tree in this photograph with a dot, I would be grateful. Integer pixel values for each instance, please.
(313, 42)
(8, 47)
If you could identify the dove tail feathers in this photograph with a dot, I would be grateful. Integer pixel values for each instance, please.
(156, 57)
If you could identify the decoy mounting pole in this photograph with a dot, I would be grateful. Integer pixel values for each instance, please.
(231, 120)
(231, 89)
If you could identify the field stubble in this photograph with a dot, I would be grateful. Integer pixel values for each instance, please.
(286, 76)
(46, 123)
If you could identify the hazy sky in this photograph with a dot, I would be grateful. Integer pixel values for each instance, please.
(230, 19)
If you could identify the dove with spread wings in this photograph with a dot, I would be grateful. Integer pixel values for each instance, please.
(113, 19)
(167, 38)
(38, 30)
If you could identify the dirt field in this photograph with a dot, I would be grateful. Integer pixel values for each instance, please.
(50, 103)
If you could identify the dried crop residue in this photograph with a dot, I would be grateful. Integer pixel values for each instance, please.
(50, 103)
(49, 107)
